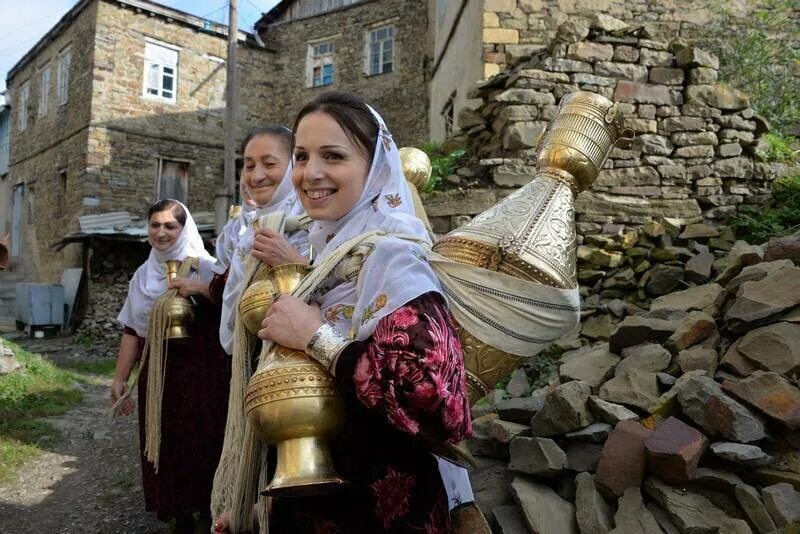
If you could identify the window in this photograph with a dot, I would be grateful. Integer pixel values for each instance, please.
(44, 90)
(173, 180)
(60, 191)
(62, 76)
(22, 113)
(160, 71)
(320, 64)
(380, 52)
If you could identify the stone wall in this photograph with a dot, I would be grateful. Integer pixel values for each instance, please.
(691, 157)
(515, 28)
(400, 96)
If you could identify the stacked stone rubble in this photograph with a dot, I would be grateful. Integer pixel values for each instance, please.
(677, 413)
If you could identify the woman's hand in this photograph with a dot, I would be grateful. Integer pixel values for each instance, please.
(118, 389)
(272, 249)
(189, 286)
(290, 322)
(223, 523)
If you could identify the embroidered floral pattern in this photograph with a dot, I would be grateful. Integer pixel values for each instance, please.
(334, 313)
(413, 372)
(369, 312)
(393, 200)
(392, 495)
(386, 139)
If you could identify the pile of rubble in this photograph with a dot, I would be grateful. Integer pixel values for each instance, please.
(678, 409)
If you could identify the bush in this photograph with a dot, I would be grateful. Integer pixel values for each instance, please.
(780, 148)
(759, 53)
(442, 164)
(757, 224)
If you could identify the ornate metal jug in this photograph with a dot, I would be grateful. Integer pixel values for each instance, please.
(179, 309)
(292, 402)
(531, 233)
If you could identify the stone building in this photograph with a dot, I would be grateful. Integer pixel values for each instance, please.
(379, 49)
(5, 188)
(119, 104)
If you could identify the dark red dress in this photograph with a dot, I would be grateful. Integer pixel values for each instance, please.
(405, 385)
(194, 409)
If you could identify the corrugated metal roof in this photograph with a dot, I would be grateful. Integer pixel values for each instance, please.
(115, 219)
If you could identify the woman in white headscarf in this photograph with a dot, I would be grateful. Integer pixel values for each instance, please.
(178, 465)
(386, 334)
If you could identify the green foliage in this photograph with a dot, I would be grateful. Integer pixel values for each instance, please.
(759, 53)
(103, 367)
(37, 390)
(780, 148)
(83, 339)
(442, 164)
(757, 224)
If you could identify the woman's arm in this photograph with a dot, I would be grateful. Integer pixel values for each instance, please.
(411, 371)
(127, 358)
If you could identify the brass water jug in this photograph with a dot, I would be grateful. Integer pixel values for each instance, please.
(292, 402)
(256, 299)
(531, 233)
(179, 310)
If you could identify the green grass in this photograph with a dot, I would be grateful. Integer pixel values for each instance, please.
(96, 367)
(37, 390)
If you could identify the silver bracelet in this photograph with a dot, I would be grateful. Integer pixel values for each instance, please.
(326, 344)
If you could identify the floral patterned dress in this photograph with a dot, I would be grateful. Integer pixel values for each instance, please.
(404, 387)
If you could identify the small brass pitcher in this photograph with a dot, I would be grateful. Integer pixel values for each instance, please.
(179, 310)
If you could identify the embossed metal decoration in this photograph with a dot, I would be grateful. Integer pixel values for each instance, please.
(417, 166)
(179, 309)
(531, 233)
(292, 402)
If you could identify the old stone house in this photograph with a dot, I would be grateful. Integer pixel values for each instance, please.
(119, 104)
(377, 48)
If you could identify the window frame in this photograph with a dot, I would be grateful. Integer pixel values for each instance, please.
(44, 91)
(319, 60)
(23, 102)
(373, 39)
(62, 75)
(149, 63)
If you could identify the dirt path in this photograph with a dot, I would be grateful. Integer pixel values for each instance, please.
(87, 482)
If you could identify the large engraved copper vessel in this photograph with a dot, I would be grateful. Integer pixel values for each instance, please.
(292, 402)
(179, 309)
(531, 233)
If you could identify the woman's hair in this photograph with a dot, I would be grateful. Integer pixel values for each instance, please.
(351, 113)
(168, 204)
(281, 133)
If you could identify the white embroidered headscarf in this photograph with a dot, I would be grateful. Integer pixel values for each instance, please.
(284, 200)
(396, 271)
(233, 229)
(150, 279)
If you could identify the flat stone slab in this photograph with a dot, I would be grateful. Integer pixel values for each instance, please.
(632, 516)
(771, 394)
(705, 298)
(543, 509)
(775, 347)
(634, 387)
(610, 412)
(741, 453)
(706, 404)
(592, 512)
(537, 456)
(690, 512)
(783, 503)
(564, 410)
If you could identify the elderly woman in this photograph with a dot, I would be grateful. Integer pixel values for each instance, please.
(177, 479)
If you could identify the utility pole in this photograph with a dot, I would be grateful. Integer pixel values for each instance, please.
(226, 196)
